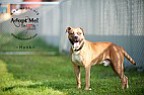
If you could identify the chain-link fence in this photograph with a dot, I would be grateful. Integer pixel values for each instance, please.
(118, 21)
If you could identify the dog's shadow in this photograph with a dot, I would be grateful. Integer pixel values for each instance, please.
(46, 84)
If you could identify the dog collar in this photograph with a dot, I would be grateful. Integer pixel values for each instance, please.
(80, 47)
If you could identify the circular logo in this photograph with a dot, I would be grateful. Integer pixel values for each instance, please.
(26, 24)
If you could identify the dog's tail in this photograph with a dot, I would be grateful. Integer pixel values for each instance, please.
(128, 57)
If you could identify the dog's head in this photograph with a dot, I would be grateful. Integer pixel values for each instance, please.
(75, 36)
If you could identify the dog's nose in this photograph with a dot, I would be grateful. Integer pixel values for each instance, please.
(76, 37)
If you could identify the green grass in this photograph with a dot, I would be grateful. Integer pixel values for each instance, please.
(25, 78)
(53, 75)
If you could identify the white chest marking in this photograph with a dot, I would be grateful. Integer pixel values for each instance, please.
(77, 58)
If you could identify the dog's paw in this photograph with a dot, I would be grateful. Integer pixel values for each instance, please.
(88, 89)
(79, 87)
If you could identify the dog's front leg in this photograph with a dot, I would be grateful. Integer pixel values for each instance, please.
(78, 75)
(87, 78)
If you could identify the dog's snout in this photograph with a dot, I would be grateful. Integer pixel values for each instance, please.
(76, 37)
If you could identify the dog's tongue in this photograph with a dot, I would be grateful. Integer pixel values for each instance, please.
(76, 45)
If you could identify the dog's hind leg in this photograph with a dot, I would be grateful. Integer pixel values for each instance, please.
(87, 78)
(117, 65)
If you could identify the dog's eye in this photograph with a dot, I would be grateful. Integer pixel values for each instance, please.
(71, 33)
(79, 33)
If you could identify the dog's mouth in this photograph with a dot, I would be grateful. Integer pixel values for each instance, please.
(76, 43)
(74, 40)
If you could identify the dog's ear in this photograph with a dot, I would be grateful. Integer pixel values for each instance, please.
(82, 30)
(68, 28)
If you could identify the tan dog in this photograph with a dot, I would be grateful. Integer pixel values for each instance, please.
(86, 53)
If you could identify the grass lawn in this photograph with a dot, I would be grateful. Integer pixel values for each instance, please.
(53, 75)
